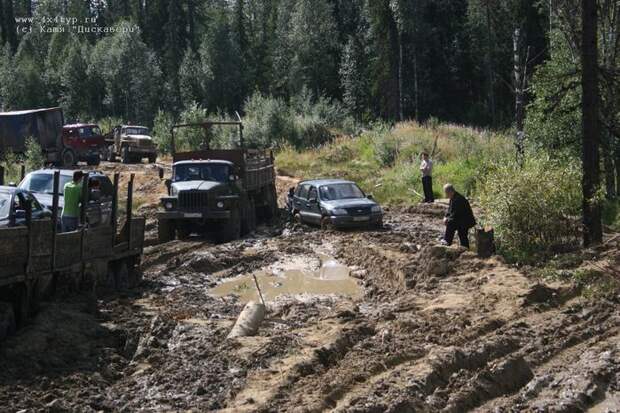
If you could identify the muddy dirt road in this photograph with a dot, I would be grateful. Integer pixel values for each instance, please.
(408, 326)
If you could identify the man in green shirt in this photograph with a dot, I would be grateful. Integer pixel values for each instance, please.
(70, 218)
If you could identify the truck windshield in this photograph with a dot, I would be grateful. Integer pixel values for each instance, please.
(43, 183)
(205, 172)
(90, 132)
(340, 191)
(136, 131)
(5, 204)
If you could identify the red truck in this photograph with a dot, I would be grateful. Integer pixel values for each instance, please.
(83, 142)
(61, 145)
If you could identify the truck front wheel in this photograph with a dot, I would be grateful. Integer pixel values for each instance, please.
(165, 230)
(125, 157)
(68, 158)
(231, 230)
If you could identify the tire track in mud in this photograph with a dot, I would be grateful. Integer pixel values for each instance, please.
(534, 324)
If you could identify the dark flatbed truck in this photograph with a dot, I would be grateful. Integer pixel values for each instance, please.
(217, 190)
(35, 259)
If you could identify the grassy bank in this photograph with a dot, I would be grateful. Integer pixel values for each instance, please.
(385, 161)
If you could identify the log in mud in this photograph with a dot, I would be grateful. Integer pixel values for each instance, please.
(409, 326)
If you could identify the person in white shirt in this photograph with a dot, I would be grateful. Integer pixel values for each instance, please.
(426, 167)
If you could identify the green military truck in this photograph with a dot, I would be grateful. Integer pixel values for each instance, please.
(224, 191)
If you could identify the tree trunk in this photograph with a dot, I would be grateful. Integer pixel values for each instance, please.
(610, 169)
(416, 97)
(490, 69)
(617, 162)
(400, 76)
(593, 231)
(519, 88)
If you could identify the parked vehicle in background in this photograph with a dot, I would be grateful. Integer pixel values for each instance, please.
(83, 142)
(99, 209)
(130, 143)
(334, 202)
(225, 190)
(43, 125)
(61, 145)
(13, 207)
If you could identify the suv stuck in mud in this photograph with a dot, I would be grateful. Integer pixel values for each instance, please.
(333, 203)
(221, 190)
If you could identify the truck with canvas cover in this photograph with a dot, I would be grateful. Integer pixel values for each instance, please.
(217, 190)
(43, 125)
(61, 145)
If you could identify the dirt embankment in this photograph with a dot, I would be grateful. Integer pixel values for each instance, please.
(436, 329)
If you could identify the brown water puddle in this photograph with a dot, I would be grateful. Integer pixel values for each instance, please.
(331, 278)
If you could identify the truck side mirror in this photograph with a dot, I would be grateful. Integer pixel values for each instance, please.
(168, 183)
(369, 196)
(161, 172)
(20, 214)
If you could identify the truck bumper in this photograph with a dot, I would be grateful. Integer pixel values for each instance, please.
(200, 216)
(141, 151)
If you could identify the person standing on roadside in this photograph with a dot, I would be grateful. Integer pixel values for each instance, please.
(70, 218)
(426, 167)
(459, 218)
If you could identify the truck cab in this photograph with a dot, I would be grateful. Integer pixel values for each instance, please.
(217, 190)
(82, 143)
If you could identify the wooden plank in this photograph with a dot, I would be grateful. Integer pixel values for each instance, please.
(98, 242)
(137, 233)
(13, 246)
(68, 248)
(41, 245)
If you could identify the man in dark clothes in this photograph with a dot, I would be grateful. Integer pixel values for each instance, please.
(459, 218)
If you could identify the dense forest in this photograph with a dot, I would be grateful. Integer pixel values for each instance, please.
(509, 65)
(392, 59)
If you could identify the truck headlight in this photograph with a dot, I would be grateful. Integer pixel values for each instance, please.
(168, 205)
(220, 204)
(339, 211)
(376, 209)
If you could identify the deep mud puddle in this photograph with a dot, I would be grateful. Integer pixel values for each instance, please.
(331, 278)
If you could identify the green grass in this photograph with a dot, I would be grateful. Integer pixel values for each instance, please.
(385, 162)
(611, 214)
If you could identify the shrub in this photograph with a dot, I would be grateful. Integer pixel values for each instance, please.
(387, 145)
(34, 157)
(161, 131)
(268, 122)
(532, 209)
(11, 164)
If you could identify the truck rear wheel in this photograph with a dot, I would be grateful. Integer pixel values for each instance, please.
(93, 161)
(271, 202)
(165, 230)
(231, 230)
(7, 320)
(249, 220)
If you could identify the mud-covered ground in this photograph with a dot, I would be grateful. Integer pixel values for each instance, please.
(436, 329)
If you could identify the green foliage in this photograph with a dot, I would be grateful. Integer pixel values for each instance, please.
(12, 167)
(33, 155)
(611, 214)
(363, 159)
(532, 209)
(161, 132)
(554, 116)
